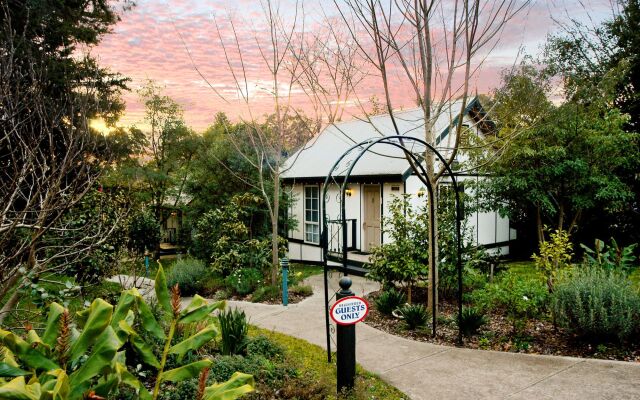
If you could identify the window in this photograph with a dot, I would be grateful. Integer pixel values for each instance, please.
(311, 214)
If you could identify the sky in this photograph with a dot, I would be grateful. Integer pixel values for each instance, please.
(167, 40)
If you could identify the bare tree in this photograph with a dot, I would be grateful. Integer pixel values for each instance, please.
(49, 160)
(435, 48)
(294, 67)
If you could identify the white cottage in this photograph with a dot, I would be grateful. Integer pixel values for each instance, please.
(381, 174)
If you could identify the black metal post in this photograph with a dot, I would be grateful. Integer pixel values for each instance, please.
(346, 343)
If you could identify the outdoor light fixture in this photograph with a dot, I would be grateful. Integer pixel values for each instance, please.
(348, 191)
(421, 191)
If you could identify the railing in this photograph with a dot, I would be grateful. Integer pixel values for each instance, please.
(335, 237)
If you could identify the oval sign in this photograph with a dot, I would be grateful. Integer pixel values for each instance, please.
(349, 310)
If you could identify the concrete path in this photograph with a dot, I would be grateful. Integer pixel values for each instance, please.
(429, 371)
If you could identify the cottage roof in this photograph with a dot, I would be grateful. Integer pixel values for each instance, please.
(315, 159)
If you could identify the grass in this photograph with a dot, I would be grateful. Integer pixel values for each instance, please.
(303, 271)
(311, 359)
(524, 269)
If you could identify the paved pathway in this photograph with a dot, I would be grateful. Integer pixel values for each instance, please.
(429, 371)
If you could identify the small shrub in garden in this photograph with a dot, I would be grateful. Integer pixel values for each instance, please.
(610, 256)
(471, 320)
(233, 330)
(263, 346)
(555, 254)
(302, 290)
(264, 370)
(520, 298)
(244, 281)
(389, 301)
(598, 304)
(415, 315)
(189, 274)
(266, 293)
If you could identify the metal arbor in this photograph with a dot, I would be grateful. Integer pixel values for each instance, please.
(348, 161)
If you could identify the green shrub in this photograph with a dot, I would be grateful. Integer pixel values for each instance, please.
(555, 254)
(190, 274)
(610, 256)
(244, 281)
(389, 301)
(471, 320)
(266, 293)
(598, 304)
(264, 370)
(520, 298)
(415, 315)
(263, 346)
(233, 330)
(302, 290)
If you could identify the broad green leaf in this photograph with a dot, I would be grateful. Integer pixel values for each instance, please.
(97, 321)
(53, 324)
(17, 389)
(121, 375)
(194, 342)
(125, 303)
(198, 309)
(162, 292)
(100, 359)
(34, 340)
(8, 357)
(9, 371)
(186, 371)
(238, 385)
(61, 389)
(25, 353)
(141, 347)
(149, 322)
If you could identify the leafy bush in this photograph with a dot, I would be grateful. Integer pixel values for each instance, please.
(610, 256)
(302, 290)
(471, 320)
(520, 298)
(389, 301)
(144, 232)
(597, 304)
(405, 258)
(266, 293)
(244, 281)
(415, 315)
(223, 237)
(555, 255)
(263, 346)
(233, 329)
(266, 371)
(189, 274)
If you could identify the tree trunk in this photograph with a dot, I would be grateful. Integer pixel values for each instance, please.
(274, 231)
(432, 296)
(539, 227)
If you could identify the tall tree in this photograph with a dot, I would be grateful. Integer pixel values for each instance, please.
(566, 160)
(49, 157)
(434, 49)
(169, 148)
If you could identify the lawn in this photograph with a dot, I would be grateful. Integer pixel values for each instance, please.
(311, 361)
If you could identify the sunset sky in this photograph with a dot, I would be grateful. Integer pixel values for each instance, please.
(147, 44)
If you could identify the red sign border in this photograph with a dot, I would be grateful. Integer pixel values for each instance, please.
(345, 299)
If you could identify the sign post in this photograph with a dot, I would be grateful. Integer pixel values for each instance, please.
(346, 312)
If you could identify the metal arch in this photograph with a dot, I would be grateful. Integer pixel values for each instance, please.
(365, 146)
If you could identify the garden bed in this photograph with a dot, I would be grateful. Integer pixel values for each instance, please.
(538, 336)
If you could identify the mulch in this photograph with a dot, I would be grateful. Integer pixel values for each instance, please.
(539, 336)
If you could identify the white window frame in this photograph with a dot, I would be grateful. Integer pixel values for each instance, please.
(315, 236)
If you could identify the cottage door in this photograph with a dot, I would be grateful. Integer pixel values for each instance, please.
(371, 219)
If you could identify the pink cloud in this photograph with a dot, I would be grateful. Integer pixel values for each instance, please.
(148, 44)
